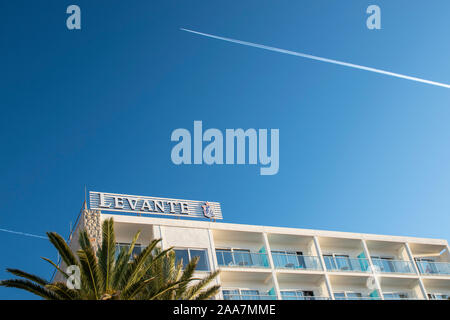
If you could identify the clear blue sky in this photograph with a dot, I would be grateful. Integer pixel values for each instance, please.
(359, 151)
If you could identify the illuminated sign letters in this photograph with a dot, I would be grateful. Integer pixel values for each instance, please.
(151, 205)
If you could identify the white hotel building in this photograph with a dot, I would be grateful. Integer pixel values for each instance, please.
(260, 262)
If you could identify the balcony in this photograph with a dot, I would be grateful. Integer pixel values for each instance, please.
(398, 296)
(295, 261)
(240, 295)
(248, 297)
(433, 268)
(241, 259)
(393, 266)
(346, 264)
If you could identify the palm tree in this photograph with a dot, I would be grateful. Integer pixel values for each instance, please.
(170, 273)
(105, 275)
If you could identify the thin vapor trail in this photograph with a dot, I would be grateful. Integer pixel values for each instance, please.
(308, 56)
(24, 234)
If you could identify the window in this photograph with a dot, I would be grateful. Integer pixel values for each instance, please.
(202, 264)
(125, 246)
(354, 295)
(242, 294)
(289, 295)
(183, 256)
(231, 294)
(438, 296)
(297, 295)
(386, 264)
(250, 294)
(187, 255)
(426, 265)
(242, 257)
(339, 295)
(395, 296)
(348, 295)
(224, 257)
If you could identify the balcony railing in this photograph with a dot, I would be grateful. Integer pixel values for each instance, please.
(304, 298)
(232, 296)
(242, 259)
(400, 298)
(392, 266)
(295, 261)
(248, 297)
(346, 264)
(357, 298)
(433, 268)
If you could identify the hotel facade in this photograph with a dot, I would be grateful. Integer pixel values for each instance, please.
(277, 263)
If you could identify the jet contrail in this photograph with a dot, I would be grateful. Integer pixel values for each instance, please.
(24, 234)
(308, 56)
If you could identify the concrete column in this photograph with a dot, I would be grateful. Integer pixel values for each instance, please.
(213, 260)
(372, 269)
(446, 254)
(93, 225)
(411, 259)
(322, 263)
(163, 238)
(272, 266)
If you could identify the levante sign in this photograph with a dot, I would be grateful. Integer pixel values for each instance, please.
(151, 205)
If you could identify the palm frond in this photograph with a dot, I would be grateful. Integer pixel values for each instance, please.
(28, 276)
(30, 287)
(139, 266)
(165, 289)
(89, 266)
(135, 289)
(56, 267)
(122, 262)
(209, 293)
(106, 253)
(196, 289)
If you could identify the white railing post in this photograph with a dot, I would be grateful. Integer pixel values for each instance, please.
(411, 258)
(322, 263)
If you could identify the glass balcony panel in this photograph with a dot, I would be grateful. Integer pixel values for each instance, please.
(330, 263)
(241, 258)
(295, 261)
(300, 295)
(434, 268)
(346, 264)
(396, 296)
(353, 296)
(251, 295)
(362, 298)
(230, 294)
